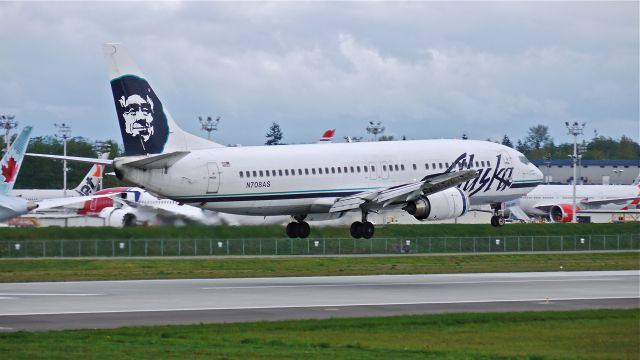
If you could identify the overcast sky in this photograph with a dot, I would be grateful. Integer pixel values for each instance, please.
(426, 70)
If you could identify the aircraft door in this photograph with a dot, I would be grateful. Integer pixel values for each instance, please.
(213, 183)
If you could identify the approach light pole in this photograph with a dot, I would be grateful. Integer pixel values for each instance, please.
(7, 123)
(375, 128)
(209, 125)
(575, 129)
(63, 133)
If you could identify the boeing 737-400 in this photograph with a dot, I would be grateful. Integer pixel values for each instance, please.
(430, 179)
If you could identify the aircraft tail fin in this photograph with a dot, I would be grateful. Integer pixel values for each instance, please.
(327, 137)
(12, 160)
(92, 180)
(146, 125)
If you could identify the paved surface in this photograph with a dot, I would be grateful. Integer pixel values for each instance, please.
(104, 304)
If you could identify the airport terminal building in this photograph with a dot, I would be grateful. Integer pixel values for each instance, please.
(590, 172)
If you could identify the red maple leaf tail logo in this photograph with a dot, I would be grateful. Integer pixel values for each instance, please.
(9, 171)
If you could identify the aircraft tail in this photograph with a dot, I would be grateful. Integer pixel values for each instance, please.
(92, 180)
(12, 160)
(145, 124)
(327, 137)
(636, 182)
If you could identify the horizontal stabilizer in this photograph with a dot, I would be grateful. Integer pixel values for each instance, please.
(161, 161)
(53, 203)
(74, 158)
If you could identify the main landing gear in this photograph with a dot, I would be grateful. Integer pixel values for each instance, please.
(298, 228)
(497, 220)
(362, 229)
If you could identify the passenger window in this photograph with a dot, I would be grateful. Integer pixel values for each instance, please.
(373, 168)
(280, 172)
(346, 170)
(299, 171)
(433, 166)
(333, 170)
(440, 165)
(248, 174)
(366, 168)
(488, 163)
(241, 174)
(402, 167)
(313, 171)
(426, 166)
(446, 165)
(293, 172)
(261, 174)
(358, 169)
(384, 167)
(339, 170)
(306, 171)
(415, 167)
(320, 171)
(352, 169)
(255, 173)
(390, 167)
(482, 163)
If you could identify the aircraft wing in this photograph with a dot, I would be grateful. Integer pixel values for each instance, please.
(53, 203)
(187, 212)
(402, 193)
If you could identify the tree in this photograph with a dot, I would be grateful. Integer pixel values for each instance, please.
(538, 137)
(523, 147)
(274, 136)
(506, 141)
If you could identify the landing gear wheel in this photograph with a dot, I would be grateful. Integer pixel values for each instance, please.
(493, 221)
(303, 230)
(292, 230)
(367, 230)
(500, 221)
(357, 229)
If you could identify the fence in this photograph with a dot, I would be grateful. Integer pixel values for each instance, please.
(337, 246)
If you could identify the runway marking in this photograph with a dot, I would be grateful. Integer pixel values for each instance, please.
(399, 284)
(47, 294)
(319, 306)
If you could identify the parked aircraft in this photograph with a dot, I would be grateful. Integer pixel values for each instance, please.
(87, 186)
(555, 202)
(11, 206)
(430, 179)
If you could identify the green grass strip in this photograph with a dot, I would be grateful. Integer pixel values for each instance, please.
(28, 270)
(277, 231)
(589, 334)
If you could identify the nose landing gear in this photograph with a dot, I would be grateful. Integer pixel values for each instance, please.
(497, 220)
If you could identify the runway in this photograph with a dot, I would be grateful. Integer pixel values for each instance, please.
(107, 304)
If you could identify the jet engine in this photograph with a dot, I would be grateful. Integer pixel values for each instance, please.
(562, 213)
(446, 204)
(118, 217)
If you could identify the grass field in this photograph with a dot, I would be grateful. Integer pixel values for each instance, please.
(29, 270)
(594, 334)
(253, 232)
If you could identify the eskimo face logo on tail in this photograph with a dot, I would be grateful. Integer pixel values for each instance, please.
(143, 123)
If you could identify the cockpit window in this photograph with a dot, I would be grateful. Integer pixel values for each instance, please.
(523, 159)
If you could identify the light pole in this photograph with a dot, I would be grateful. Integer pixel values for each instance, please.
(575, 129)
(375, 128)
(63, 133)
(209, 125)
(7, 123)
(101, 147)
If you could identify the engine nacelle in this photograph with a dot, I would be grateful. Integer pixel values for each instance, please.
(118, 217)
(562, 213)
(447, 204)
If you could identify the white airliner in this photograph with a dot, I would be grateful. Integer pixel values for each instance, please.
(11, 206)
(430, 179)
(86, 187)
(555, 202)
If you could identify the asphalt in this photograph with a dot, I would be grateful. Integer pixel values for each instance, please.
(110, 304)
